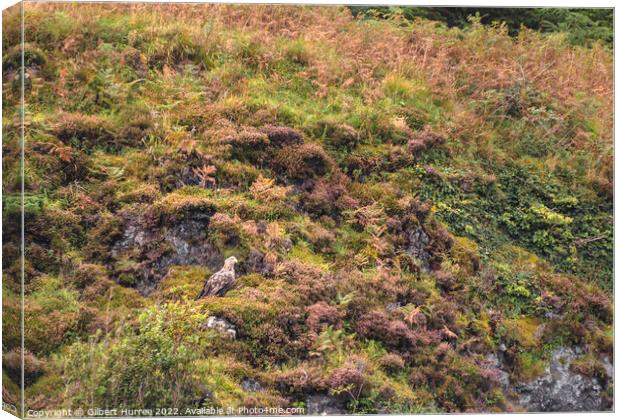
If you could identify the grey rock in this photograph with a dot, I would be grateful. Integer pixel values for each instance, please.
(609, 367)
(222, 326)
(552, 315)
(257, 263)
(287, 244)
(189, 244)
(155, 249)
(418, 248)
(251, 385)
(392, 306)
(502, 376)
(323, 404)
(558, 388)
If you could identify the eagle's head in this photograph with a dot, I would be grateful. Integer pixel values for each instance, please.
(229, 263)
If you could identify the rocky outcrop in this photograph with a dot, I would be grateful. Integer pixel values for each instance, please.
(419, 242)
(223, 326)
(251, 385)
(559, 388)
(143, 253)
(323, 404)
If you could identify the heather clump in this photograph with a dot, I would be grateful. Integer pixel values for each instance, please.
(247, 144)
(394, 333)
(392, 363)
(423, 140)
(321, 315)
(85, 131)
(305, 161)
(283, 136)
(338, 135)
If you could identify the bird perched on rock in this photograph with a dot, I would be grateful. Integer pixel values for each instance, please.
(222, 281)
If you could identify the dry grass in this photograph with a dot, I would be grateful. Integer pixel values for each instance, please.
(345, 53)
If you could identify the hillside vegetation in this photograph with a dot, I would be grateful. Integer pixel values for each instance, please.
(404, 200)
(579, 26)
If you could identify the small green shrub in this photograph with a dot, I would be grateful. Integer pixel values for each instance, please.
(111, 370)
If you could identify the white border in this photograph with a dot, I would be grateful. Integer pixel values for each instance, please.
(482, 3)
(436, 3)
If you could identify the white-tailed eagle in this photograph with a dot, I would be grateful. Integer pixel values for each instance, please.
(222, 281)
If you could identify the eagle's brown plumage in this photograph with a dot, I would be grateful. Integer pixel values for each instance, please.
(222, 281)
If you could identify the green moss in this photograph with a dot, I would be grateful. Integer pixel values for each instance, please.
(224, 386)
(182, 283)
(11, 318)
(302, 251)
(466, 254)
(50, 304)
(524, 331)
(48, 386)
(143, 193)
(530, 366)
(12, 392)
(238, 174)
(118, 300)
(176, 205)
